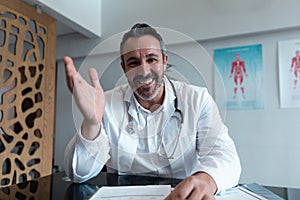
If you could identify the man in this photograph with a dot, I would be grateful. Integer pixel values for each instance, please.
(238, 69)
(152, 126)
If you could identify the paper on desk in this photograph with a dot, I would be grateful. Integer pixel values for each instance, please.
(239, 193)
(159, 192)
(153, 192)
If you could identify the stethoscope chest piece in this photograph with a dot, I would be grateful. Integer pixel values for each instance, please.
(130, 130)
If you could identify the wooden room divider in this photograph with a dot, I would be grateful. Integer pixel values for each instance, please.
(27, 92)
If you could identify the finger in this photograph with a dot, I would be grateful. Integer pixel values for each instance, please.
(197, 194)
(181, 191)
(74, 79)
(94, 77)
(209, 198)
(70, 72)
(69, 66)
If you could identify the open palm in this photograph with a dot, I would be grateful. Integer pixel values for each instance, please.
(89, 98)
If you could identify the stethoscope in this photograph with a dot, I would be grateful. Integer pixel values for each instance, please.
(131, 128)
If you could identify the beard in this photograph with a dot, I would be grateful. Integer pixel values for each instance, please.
(147, 88)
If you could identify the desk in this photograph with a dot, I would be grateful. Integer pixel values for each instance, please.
(57, 187)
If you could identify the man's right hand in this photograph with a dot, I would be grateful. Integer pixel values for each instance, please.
(89, 98)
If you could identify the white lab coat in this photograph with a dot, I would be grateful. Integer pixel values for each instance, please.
(145, 142)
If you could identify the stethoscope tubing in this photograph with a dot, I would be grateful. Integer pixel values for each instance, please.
(130, 126)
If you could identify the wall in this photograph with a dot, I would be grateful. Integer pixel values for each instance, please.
(267, 140)
(202, 19)
(199, 19)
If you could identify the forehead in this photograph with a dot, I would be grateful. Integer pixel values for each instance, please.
(135, 44)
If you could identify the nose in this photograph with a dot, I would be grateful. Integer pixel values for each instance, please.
(144, 69)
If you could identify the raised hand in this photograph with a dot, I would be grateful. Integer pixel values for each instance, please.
(89, 98)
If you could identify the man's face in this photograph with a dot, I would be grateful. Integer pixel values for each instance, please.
(144, 65)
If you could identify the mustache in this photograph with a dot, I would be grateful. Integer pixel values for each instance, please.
(139, 78)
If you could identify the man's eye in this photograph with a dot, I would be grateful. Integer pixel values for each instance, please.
(151, 60)
(133, 64)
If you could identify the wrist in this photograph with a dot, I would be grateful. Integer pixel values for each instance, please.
(90, 131)
(212, 186)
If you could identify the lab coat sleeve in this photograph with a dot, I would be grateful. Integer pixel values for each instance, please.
(216, 150)
(84, 158)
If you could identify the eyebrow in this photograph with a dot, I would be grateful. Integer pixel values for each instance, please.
(132, 58)
(152, 55)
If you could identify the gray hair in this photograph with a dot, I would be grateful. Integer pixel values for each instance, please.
(139, 30)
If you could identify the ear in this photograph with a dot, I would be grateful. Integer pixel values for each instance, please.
(165, 61)
(123, 67)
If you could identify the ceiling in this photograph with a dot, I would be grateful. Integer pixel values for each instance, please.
(63, 29)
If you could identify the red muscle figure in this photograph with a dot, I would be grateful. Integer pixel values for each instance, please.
(296, 65)
(238, 70)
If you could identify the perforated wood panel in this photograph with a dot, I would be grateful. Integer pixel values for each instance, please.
(27, 92)
(39, 189)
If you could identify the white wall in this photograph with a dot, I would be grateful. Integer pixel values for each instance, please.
(202, 19)
(199, 19)
(267, 140)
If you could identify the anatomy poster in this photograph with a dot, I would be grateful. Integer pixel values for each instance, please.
(289, 72)
(241, 77)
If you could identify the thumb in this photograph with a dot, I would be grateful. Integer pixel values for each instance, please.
(70, 72)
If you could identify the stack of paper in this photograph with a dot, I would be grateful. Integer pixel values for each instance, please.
(239, 193)
(159, 192)
(153, 192)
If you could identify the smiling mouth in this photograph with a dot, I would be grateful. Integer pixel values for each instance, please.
(146, 87)
(145, 82)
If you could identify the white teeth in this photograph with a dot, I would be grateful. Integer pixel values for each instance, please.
(146, 81)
